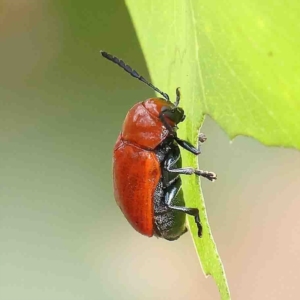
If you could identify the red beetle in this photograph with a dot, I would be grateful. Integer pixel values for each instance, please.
(147, 166)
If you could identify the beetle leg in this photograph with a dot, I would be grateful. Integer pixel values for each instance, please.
(190, 171)
(171, 195)
(187, 146)
(172, 161)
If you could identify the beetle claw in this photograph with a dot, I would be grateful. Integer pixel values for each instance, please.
(212, 176)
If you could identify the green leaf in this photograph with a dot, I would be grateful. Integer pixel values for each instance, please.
(236, 61)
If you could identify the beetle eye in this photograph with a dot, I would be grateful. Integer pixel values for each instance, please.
(164, 109)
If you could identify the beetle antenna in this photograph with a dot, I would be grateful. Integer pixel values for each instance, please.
(177, 96)
(132, 72)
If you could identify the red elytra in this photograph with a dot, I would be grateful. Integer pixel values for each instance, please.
(136, 170)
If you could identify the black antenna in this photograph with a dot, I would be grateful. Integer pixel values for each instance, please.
(132, 72)
(177, 96)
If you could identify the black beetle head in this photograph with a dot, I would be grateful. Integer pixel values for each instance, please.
(173, 113)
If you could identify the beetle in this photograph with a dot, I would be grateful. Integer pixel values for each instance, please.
(147, 165)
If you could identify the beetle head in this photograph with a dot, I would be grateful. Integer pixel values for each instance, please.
(173, 113)
(162, 108)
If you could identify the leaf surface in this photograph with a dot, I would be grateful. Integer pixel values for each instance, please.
(237, 61)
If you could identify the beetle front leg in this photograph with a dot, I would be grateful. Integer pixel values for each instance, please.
(188, 146)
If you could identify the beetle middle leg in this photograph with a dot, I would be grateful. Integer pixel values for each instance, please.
(190, 171)
(173, 165)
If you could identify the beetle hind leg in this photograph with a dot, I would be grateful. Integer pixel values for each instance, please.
(192, 212)
(171, 196)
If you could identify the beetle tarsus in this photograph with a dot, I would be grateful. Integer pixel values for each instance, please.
(202, 137)
(207, 174)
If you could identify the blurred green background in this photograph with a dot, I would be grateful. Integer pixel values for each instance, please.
(62, 235)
